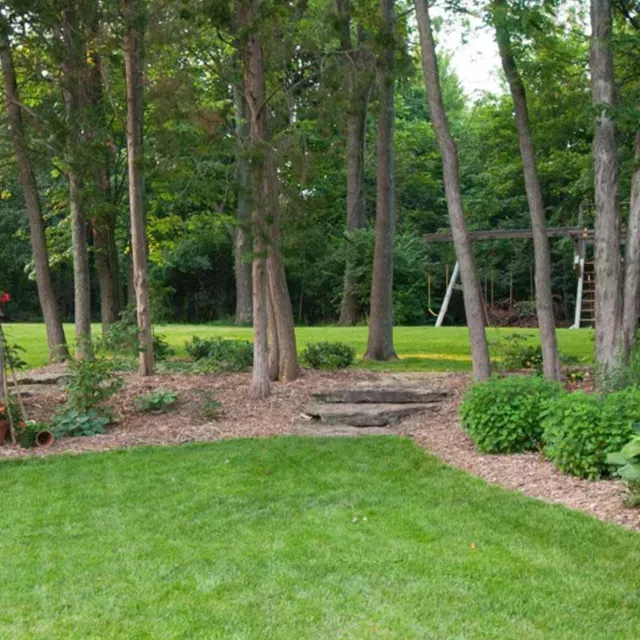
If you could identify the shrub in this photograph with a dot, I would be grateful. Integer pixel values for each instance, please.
(218, 354)
(627, 462)
(90, 383)
(157, 400)
(516, 353)
(581, 429)
(503, 415)
(123, 337)
(328, 355)
(79, 423)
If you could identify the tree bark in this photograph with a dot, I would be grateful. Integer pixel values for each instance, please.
(75, 100)
(241, 243)
(607, 195)
(357, 83)
(133, 12)
(255, 96)
(56, 340)
(631, 305)
(103, 219)
(288, 367)
(380, 344)
(451, 173)
(544, 298)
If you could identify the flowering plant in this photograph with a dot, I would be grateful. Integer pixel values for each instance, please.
(4, 412)
(4, 298)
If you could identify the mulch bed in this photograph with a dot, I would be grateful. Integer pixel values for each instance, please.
(438, 432)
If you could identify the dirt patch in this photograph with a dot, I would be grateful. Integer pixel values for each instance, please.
(438, 431)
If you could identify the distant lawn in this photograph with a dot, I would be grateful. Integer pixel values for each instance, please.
(295, 538)
(419, 348)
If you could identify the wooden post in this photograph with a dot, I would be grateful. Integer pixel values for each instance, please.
(447, 297)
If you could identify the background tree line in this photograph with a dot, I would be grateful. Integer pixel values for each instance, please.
(305, 142)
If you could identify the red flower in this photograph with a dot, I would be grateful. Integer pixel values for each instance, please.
(4, 298)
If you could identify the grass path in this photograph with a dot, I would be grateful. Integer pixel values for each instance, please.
(299, 538)
(419, 348)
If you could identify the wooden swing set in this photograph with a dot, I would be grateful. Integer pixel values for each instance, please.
(581, 236)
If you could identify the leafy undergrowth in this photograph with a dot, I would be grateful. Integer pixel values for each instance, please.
(299, 538)
(419, 348)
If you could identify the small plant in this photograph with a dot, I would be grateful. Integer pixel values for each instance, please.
(123, 337)
(90, 383)
(581, 429)
(211, 409)
(217, 354)
(157, 401)
(13, 353)
(79, 423)
(516, 353)
(627, 462)
(503, 415)
(26, 432)
(328, 355)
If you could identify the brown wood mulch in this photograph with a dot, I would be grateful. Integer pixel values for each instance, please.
(438, 431)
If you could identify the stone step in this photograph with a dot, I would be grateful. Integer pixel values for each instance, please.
(383, 395)
(362, 415)
(318, 428)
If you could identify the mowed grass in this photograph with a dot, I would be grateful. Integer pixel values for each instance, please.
(419, 348)
(299, 538)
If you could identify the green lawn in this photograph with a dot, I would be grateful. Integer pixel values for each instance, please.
(294, 538)
(420, 348)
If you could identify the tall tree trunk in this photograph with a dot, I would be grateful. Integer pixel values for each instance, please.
(544, 298)
(133, 12)
(103, 219)
(74, 70)
(288, 367)
(632, 259)
(357, 83)
(473, 304)
(255, 96)
(241, 243)
(380, 344)
(56, 340)
(607, 194)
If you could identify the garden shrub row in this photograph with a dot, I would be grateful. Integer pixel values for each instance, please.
(576, 431)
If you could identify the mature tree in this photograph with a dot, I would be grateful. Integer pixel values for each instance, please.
(103, 212)
(607, 194)
(632, 258)
(358, 79)
(255, 95)
(380, 345)
(473, 303)
(48, 303)
(134, 17)
(74, 71)
(241, 244)
(544, 299)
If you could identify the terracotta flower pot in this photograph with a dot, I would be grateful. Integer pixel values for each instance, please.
(4, 427)
(44, 439)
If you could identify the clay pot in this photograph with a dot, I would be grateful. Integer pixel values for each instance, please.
(44, 439)
(4, 427)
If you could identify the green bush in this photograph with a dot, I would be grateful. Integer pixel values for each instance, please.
(581, 429)
(157, 400)
(218, 354)
(328, 355)
(79, 423)
(516, 353)
(503, 415)
(627, 462)
(90, 383)
(123, 337)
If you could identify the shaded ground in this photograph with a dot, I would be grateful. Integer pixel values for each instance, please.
(438, 431)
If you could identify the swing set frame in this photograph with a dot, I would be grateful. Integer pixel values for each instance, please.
(581, 236)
